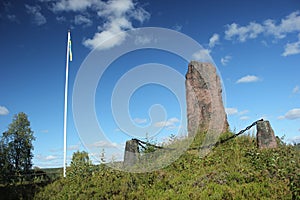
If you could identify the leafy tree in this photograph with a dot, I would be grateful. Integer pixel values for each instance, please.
(80, 165)
(5, 165)
(297, 146)
(148, 147)
(16, 146)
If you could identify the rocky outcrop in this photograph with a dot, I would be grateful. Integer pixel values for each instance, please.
(265, 135)
(131, 155)
(205, 109)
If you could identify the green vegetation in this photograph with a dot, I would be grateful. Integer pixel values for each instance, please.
(16, 150)
(81, 166)
(233, 170)
(17, 178)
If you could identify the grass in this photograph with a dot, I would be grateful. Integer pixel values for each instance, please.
(233, 170)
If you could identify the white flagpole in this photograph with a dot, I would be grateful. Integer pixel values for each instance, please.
(66, 104)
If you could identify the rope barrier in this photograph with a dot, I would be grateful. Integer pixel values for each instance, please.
(142, 143)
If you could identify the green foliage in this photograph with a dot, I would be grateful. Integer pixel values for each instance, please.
(148, 148)
(282, 163)
(16, 149)
(235, 169)
(80, 166)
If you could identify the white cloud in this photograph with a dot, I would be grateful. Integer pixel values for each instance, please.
(142, 40)
(248, 79)
(269, 27)
(295, 139)
(291, 114)
(116, 8)
(202, 55)
(3, 110)
(213, 40)
(61, 18)
(225, 60)
(235, 111)
(43, 158)
(231, 111)
(289, 24)
(74, 5)
(103, 144)
(243, 112)
(296, 89)
(174, 120)
(140, 120)
(140, 14)
(74, 147)
(292, 48)
(35, 11)
(118, 15)
(243, 32)
(170, 123)
(50, 157)
(82, 20)
(110, 37)
(244, 118)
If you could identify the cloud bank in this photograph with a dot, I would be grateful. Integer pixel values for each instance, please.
(288, 25)
(117, 15)
(291, 114)
(38, 18)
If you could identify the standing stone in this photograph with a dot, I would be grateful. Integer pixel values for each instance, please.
(131, 155)
(265, 135)
(205, 110)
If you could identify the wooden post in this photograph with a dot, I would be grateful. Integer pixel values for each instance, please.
(131, 155)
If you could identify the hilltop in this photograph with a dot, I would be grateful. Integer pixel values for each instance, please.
(233, 170)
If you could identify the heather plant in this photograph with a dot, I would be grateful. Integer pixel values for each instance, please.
(235, 169)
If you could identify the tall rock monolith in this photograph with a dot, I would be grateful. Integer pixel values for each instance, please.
(265, 135)
(205, 109)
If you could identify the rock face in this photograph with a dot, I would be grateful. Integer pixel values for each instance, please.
(131, 155)
(265, 135)
(205, 109)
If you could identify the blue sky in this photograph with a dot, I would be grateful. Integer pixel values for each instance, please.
(254, 44)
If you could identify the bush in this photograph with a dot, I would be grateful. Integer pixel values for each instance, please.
(233, 170)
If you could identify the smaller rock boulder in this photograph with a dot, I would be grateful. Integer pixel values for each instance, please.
(131, 155)
(265, 135)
